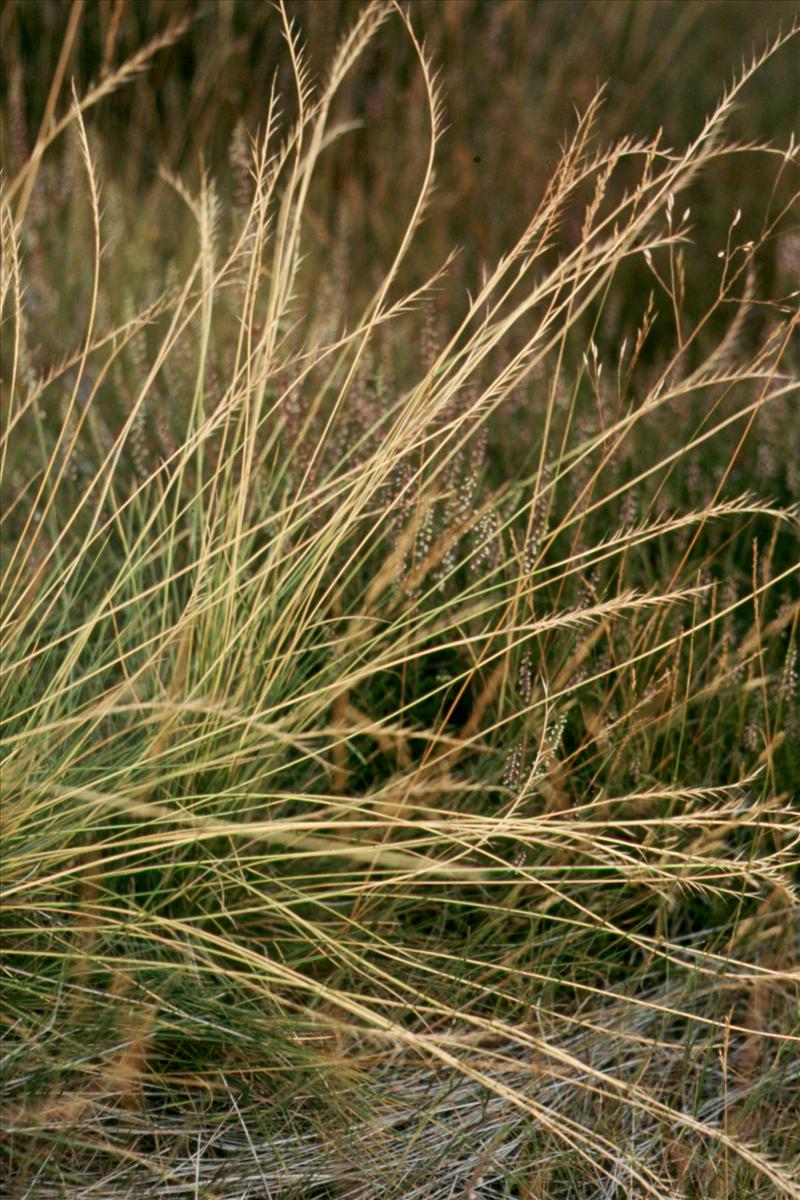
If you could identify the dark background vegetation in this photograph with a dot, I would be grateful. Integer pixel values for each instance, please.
(513, 73)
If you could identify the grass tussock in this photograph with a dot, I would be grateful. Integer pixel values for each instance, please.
(400, 705)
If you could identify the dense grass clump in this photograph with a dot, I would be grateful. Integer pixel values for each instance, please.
(400, 601)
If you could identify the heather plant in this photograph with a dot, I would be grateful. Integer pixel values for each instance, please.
(399, 666)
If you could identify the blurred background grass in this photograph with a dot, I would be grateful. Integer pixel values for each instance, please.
(513, 73)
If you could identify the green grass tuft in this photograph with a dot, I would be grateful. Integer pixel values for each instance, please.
(400, 709)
